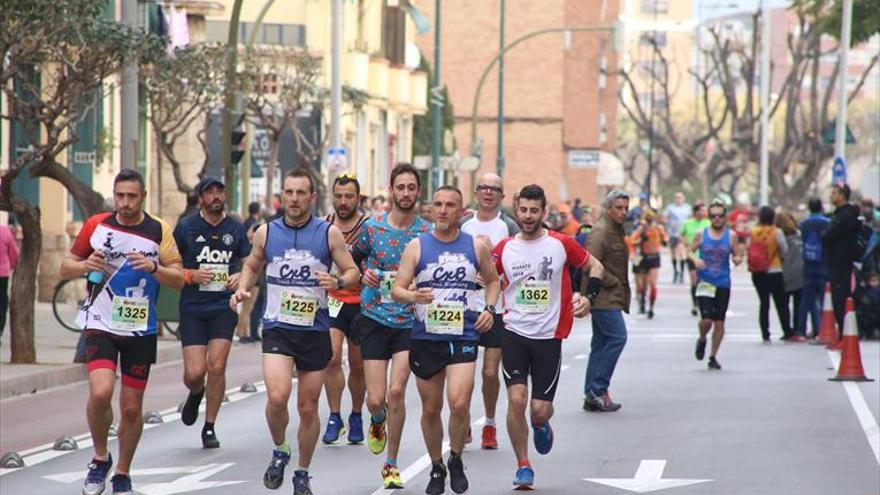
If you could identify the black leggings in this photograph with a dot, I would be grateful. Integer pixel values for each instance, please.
(4, 301)
(793, 303)
(767, 285)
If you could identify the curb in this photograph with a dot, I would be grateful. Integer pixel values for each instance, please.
(69, 373)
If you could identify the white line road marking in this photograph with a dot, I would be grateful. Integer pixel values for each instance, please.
(863, 413)
(191, 481)
(579, 357)
(422, 463)
(43, 453)
(648, 478)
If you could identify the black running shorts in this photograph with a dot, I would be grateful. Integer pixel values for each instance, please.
(429, 357)
(540, 358)
(135, 354)
(344, 320)
(380, 342)
(492, 338)
(714, 308)
(310, 349)
(199, 328)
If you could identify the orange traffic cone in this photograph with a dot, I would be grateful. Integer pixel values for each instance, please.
(828, 327)
(851, 359)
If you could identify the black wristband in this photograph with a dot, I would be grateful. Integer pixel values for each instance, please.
(155, 267)
(594, 285)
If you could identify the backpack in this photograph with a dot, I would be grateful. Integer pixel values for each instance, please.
(759, 255)
(813, 246)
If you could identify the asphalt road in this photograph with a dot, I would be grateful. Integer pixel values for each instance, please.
(769, 423)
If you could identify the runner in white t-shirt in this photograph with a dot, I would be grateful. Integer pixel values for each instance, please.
(540, 308)
(489, 224)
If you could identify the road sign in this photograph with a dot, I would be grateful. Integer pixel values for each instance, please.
(337, 160)
(648, 478)
(838, 171)
(583, 158)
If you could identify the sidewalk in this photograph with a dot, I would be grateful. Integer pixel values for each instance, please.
(55, 349)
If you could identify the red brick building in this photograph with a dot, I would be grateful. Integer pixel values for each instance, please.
(559, 106)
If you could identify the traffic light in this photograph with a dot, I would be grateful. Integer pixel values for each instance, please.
(237, 138)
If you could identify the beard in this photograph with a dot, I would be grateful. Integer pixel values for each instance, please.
(400, 204)
(345, 213)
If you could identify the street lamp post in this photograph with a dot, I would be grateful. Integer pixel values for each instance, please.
(499, 167)
(436, 103)
(764, 186)
(845, 35)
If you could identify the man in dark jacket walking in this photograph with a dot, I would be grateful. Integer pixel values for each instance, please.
(840, 248)
(606, 242)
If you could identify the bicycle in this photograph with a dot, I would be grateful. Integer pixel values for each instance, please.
(71, 294)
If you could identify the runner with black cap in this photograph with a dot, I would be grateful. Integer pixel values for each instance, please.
(212, 246)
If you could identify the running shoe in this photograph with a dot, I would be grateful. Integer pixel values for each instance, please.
(335, 429)
(524, 479)
(543, 437)
(457, 480)
(391, 477)
(437, 481)
(713, 363)
(190, 412)
(121, 484)
(209, 439)
(651, 313)
(490, 440)
(301, 483)
(603, 403)
(377, 438)
(97, 476)
(274, 476)
(700, 351)
(355, 428)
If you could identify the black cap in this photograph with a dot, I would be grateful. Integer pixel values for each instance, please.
(207, 182)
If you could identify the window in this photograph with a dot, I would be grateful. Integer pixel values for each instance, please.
(655, 6)
(267, 34)
(394, 35)
(658, 37)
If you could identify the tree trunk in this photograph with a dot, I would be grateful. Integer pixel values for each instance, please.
(270, 173)
(89, 200)
(24, 284)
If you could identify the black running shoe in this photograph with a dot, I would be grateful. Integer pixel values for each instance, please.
(190, 412)
(437, 483)
(457, 480)
(274, 476)
(700, 351)
(651, 313)
(209, 439)
(713, 363)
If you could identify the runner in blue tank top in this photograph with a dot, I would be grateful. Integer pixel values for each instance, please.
(710, 252)
(448, 267)
(297, 251)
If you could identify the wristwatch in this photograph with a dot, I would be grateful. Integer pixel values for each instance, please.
(490, 309)
(339, 283)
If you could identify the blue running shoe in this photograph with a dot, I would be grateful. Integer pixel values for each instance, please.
(335, 429)
(97, 476)
(274, 476)
(543, 436)
(355, 428)
(301, 483)
(524, 479)
(121, 484)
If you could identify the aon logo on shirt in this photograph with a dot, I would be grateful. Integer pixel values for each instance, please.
(209, 255)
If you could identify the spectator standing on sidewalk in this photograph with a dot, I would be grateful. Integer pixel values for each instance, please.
(766, 249)
(792, 272)
(815, 271)
(607, 244)
(840, 246)
(8, 260)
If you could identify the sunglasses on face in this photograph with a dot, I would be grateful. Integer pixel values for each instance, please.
(485, 188)
(716, 217)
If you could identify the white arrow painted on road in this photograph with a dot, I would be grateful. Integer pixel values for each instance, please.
(189, 483)
(648, 478)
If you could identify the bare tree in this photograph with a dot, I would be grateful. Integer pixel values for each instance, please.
(278, 85)
(56, 58)
(724, 144)
(183, 88)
